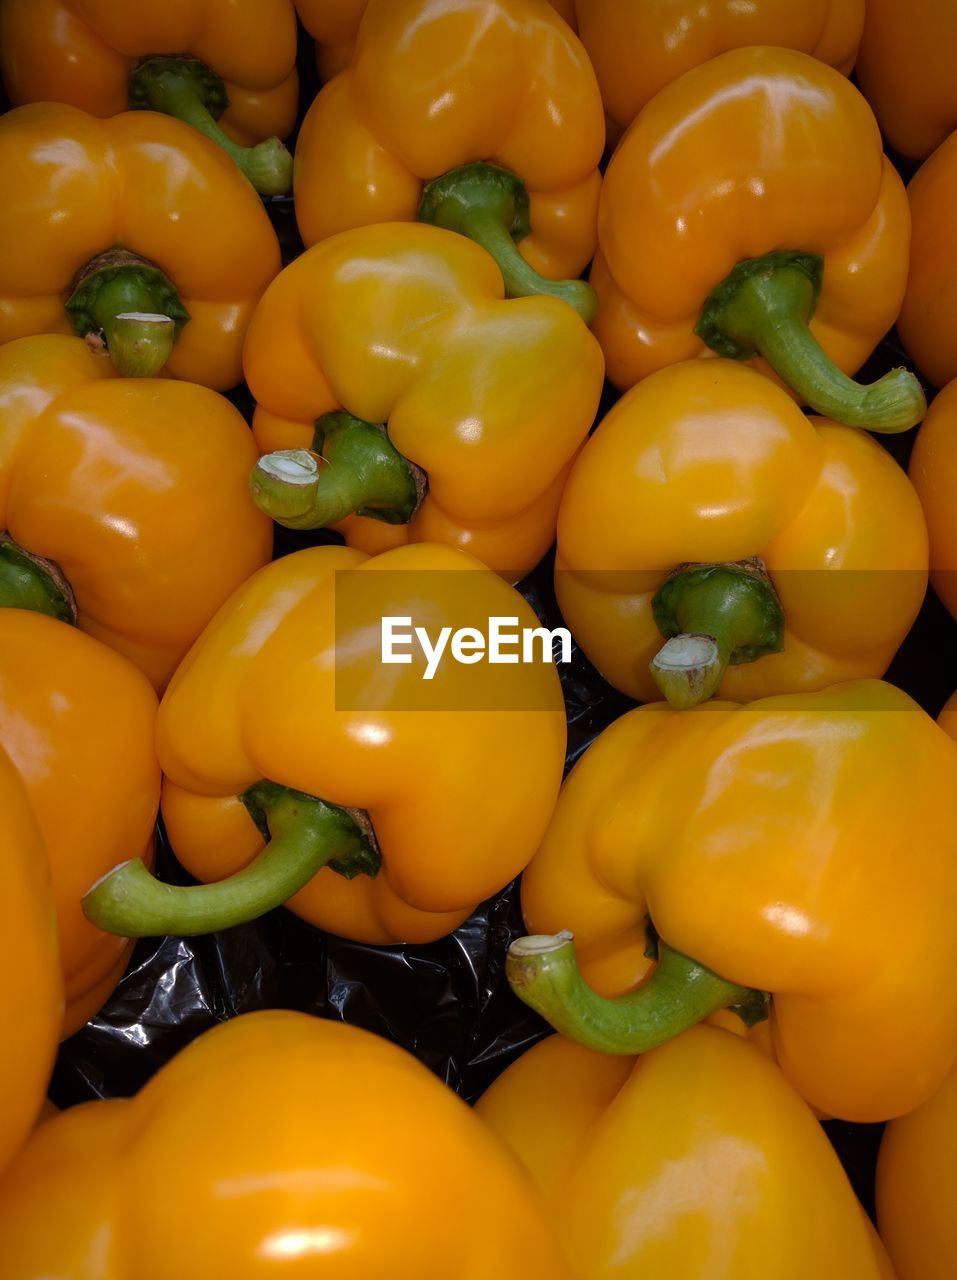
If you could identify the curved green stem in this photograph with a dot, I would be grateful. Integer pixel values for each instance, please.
(490, 206)
(305, 834)
(712, 615)
(133, 305)
(543, 972)
(763, 308)
(187, 89)
(30, 582)
(359, 472)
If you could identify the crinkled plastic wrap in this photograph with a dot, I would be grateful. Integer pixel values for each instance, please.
(447, 1002)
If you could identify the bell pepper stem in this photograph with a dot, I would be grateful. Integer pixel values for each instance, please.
(543, 971)
(353, 468)
(187, 89)
(490, 206)
(306, 835)
(712, 615)
(763, 308)
(133, 305)
(31, 582)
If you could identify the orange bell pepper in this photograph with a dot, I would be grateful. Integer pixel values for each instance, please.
(197, 61)
(696, 1160)
(135, 231)
(772, 552)
(905, 69)
(77, 722)
(482, 118)
(125, 503)
(933, 471)
(751, 212)
(916, 1187)
(486, 400)
(928, 313)
(284, 724)
(275, 1144)
(803, 846)
(31, 1000)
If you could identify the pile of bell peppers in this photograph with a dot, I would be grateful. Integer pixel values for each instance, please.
(336, 336)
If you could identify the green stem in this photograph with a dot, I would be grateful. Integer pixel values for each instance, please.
(543, 972)
(359, 472)
(187, 89)
(305, 834)
(30, 582)
(133, 305)
(490, 206)
(712, 615)
(763, 308)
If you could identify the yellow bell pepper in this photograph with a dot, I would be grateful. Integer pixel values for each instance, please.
(771, 552)
(285, 725)
(134, 232)
(200, 62)
(928, 312)
(462, 412)
(124, 503)
(751, 212)
(77, 722)
(275, 1144)
(637, 49)
(802, 847)
(933, 471)
(482, 118)
(31, 997)
(695, 1161)
(905, 69)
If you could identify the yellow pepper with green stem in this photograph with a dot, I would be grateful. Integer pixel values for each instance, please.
(800, 848)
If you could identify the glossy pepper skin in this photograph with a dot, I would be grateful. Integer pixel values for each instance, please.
(928, 313)
(637, 49)
(437, 85)
(135, 488)
(905, 71)
(933, 471)
(757, 152)
(916, 1185)
(153, 186)
(491, 398)
(696, 1160)
(781, 845)
(275, 1144)
(31, 1001)
(77, 721)
(456, 777)
(708, 462)
(87, 52)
